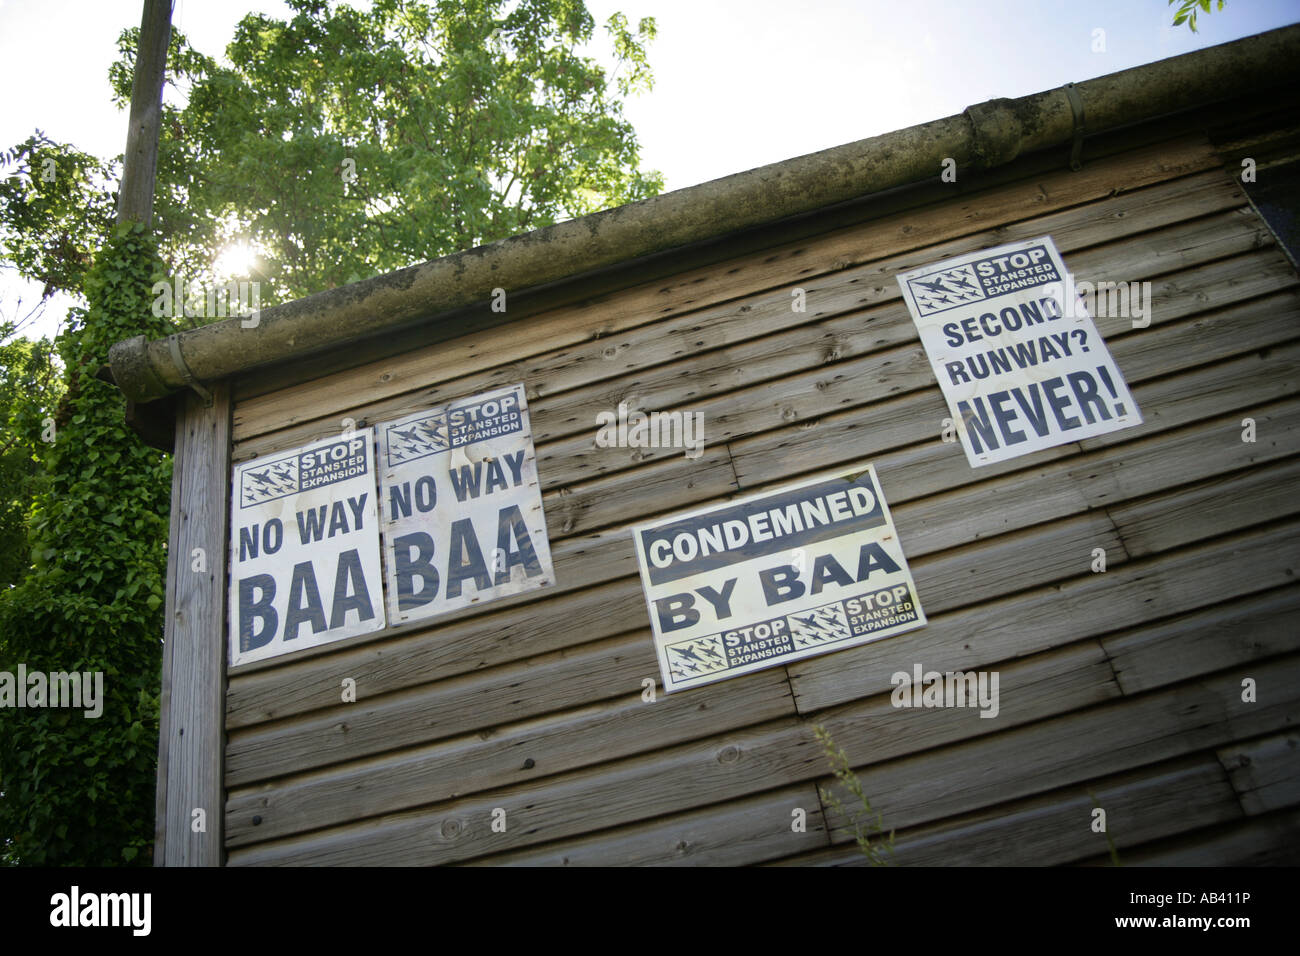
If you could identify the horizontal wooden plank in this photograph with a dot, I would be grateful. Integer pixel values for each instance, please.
(637, 494)
(1216, 506)
(573, 675)
(1222, 298)
(1030, 689)
(1265, 773)
(550, 682)
(498, 756)
(1061, 751)
(1047, 684)
(1055, 829)
(1185, 459)
(638, 788)
(1101, 479)
(943, 782)
(1239, 630)
(1086, 606)
(1273, 840)
(1110, 476)
(468, 358)
(736, 833)
(1016, 561)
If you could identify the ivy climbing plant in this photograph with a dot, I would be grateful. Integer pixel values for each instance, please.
(79, 790)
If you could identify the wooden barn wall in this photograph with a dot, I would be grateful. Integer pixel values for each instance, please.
(1122, 687)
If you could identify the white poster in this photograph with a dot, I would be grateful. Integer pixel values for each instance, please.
(462, 510)
(1015, 351)
(304, 549)
(773, 578)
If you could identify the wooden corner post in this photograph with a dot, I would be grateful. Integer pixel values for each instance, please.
(191, 796)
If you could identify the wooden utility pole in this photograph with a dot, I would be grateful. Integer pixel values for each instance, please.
(140, 165)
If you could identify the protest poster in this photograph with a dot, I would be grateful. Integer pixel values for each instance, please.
(775, 577)
(304, 548)
(462, 516)
(1016, 352)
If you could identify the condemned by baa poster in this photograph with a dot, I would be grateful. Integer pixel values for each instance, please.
(775, 577)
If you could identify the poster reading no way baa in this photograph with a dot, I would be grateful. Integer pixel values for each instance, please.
(1020, 362)
(462, 510)
(775, 577)
(304, 548)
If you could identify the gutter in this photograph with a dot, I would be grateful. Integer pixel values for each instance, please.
(981, 137)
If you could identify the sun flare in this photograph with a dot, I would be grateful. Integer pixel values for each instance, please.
(235, 260)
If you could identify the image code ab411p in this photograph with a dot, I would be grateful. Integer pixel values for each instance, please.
(772, 578)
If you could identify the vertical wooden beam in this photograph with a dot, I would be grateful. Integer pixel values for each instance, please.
(135, 202)
(191, 743)
(140, 162)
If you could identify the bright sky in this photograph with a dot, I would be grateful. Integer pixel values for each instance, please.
(739, 83)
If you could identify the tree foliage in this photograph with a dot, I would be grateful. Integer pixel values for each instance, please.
(78, 790)
(1187, 10)
(342, 142)
(56, 204)
(30, 387)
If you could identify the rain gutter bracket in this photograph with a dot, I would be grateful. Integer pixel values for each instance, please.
(178, 360)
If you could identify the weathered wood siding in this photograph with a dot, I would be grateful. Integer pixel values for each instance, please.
(190, 776)
(1123, 687)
